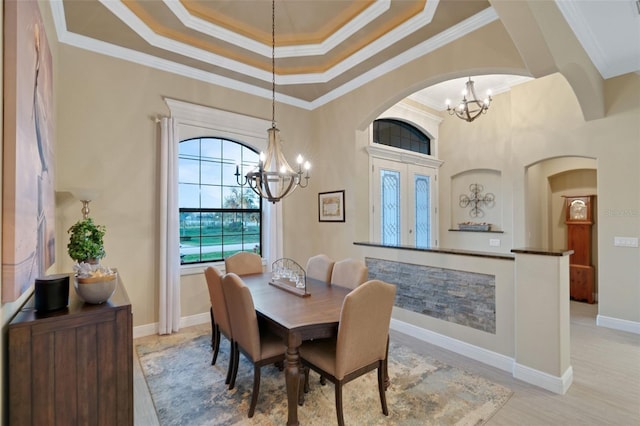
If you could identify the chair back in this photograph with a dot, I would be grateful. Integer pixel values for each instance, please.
(364, 326)
(320, 267)
(243, 263)
(242, 314)
(218, 304)
(349, 273)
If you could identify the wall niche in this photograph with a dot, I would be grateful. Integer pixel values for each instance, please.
(476, 201)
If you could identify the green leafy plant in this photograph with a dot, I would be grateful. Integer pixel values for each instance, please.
(85, 242)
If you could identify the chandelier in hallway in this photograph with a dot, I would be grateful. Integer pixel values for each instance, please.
(274, 179)
(471, 108)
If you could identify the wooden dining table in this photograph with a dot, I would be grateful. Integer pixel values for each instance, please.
(297, 319)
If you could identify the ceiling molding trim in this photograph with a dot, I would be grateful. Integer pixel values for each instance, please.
(215, 31)
(579, 25)
(119, 52)
(477, 21)
(59, 20)
(368, 51)
(449, 35)
(359, 22)
(137, 25)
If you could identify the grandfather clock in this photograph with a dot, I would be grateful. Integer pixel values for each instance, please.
(579, 220)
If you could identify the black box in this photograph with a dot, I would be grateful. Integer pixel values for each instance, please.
(52, 292)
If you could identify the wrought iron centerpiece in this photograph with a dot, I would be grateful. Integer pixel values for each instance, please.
(476, 200)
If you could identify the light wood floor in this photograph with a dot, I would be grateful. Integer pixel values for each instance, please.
(605, 389)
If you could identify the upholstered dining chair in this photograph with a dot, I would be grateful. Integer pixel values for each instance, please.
(361, 343)
(349, 273)
(243, 263)
(220, 324)
(320, 267)
(261, 347)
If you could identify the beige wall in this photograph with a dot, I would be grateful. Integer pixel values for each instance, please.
(107, 139)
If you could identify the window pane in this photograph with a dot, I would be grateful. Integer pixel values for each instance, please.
(210, 173)
(390, 200)
(188, 171)
(423, 211)
(211, 197)
(401, 135)
(250, 199)
(189, 196)
(211, 149)
(228, 172)
(189, 149)
(189, 237)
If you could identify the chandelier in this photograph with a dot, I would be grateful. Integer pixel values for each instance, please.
(470, 109)
(274, 179)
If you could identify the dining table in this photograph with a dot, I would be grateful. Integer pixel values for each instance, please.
(296, 318)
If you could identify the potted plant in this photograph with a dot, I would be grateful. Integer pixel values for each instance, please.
(94, 283)
(85, 241)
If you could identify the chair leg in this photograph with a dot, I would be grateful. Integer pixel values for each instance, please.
(256, 389)
(338, 386)
(230, 368)
(216, 344)
(323, 381)
(306, 379)
(305, 386)
(381, 386)
(213, 324)
(236, 360)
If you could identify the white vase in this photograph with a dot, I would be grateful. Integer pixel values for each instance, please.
(96, 290)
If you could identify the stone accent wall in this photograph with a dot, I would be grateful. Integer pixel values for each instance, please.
(465, 298)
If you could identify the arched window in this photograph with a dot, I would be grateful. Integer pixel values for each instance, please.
(217, 216)
(396, 133)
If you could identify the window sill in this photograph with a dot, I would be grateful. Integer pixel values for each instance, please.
(200, 267)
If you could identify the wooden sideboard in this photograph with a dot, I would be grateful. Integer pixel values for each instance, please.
(73, 366)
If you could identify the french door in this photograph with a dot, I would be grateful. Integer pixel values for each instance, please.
(404, 204)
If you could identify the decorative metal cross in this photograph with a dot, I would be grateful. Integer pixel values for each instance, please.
(477, 200)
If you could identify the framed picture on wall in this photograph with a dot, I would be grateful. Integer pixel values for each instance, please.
(331, 206)
(28, 198)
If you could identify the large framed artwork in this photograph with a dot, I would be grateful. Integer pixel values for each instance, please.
(331, 206)
(28, 198)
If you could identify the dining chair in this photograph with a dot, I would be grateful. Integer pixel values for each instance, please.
(349, 273)
(361, 344)
(220, 324)
(320, 267)
(243, 263)
(260, 347)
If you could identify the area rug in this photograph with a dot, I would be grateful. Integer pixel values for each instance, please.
(187, 390)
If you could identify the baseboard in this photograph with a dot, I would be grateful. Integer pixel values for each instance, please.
(197, 319)
(145, 330)
(618, 324)
(477, 353)
(149, 329)
(526, 374)
(544, 380)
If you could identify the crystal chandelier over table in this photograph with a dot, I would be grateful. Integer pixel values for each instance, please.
(470, 109)
(274, 179)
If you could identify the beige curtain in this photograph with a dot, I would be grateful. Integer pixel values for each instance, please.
(169, 256)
